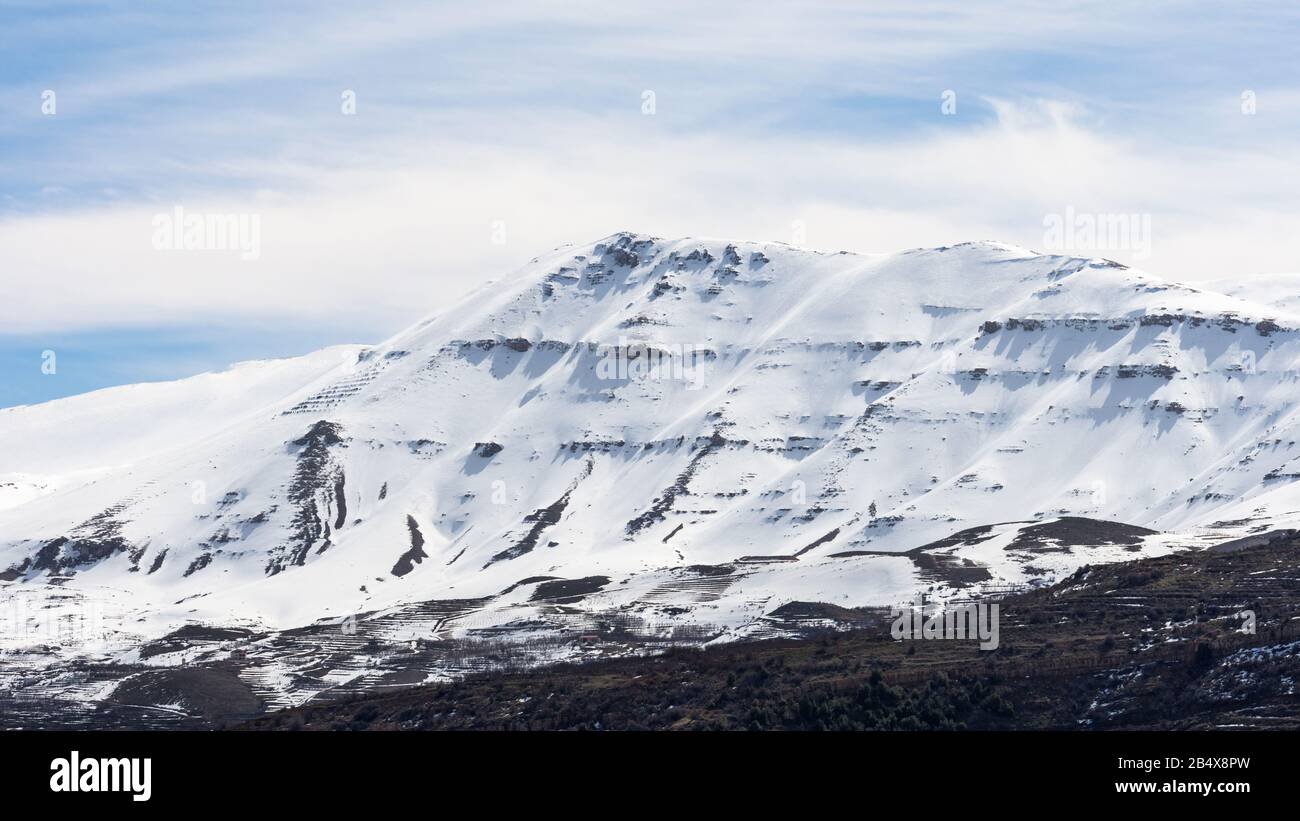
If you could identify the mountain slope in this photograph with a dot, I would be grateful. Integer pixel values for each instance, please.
(688, 432)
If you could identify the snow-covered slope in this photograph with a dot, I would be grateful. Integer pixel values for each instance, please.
(650, 416)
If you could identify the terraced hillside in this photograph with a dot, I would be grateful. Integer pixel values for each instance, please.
(1156, 643)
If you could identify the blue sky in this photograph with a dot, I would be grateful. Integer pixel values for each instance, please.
(531, 116)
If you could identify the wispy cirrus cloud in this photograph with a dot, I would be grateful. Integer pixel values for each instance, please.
(533, 115)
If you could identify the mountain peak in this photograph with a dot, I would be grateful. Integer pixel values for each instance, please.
(676, 433)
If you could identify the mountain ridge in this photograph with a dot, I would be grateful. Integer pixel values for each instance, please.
(635, 407)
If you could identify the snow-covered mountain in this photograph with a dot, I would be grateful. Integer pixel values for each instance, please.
(695, 431)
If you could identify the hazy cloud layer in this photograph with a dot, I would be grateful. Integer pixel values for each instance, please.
(766, 120)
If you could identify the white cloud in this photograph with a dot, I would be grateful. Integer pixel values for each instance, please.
(529, 113)
(376, 244)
